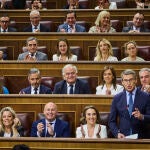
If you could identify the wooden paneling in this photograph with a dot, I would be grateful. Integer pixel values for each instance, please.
(74, 144)
(15, 41)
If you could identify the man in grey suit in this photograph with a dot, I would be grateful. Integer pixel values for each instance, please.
(70, 25)
(32, 54)
(137, 25)
(4, 24)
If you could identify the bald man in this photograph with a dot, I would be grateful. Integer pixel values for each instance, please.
(50, 126)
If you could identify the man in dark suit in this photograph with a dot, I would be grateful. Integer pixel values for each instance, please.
(36, 26)
(4, 25)
(131, 108)
(71, 84)
(32, 54)
(137, 25)
(70, 25)
(34, 78)
(144, 75)
(50, 126)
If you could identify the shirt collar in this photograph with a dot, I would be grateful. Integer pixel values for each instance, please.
(133, 92)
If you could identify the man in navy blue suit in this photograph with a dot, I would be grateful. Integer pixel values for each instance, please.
(133, 118)
(35, 25)
(34, 78)
(71, 84)
(50, 126)
(70, 26)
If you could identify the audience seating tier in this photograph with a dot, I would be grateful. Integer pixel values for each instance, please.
(84, 41)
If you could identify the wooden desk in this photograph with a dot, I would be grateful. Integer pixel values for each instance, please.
(74, 144)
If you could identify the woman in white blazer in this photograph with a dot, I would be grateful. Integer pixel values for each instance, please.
(90, 124)
(108, 83)
(63, 51)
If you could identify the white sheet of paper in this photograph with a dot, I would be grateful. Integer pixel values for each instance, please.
(133, 136)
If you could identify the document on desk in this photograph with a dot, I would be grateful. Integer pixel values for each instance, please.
(133, 136)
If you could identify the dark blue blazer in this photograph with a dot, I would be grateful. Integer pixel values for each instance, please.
(81, 87)
(11, 29)
(61, 128)
(43, 90)
(119, 110)
(42, 29)
(78, 27)
(142, 29)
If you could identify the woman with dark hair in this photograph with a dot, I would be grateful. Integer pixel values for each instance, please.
(10, 125)
(108, 85)
(64, 52)
(20, 147)
(90, 124)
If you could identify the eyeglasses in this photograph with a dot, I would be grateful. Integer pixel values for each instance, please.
(70, 73)
(4, 21)
(128, 80)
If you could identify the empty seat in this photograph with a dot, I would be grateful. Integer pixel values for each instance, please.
(84, 3)
(116, 24)
(144, 52)
(122, 4)
(48, 24)
(84, 24)
(76, 50)
(26, 120)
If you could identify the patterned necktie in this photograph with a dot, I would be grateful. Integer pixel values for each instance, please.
(71, 89)
(130, 104)
(35, 90)
(47, 133)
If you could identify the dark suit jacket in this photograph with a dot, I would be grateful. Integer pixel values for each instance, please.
(119, 109)
(81, 87)
(61, 128)
(78, 27)
(11, 29)
(42, 29)
(39, 56)
(142, 29)
(43, 90)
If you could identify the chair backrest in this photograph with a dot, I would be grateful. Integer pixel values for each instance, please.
(5, 51)
(84, 3)
(104, 118)
(144, 52)
(116, 52)
(116, 24)
(49, 82)
(121, 4)
(49, 25)
(40, 48)
(26, 120)
(12, 24)
(146, 23)
(84, 24)
(76, 50)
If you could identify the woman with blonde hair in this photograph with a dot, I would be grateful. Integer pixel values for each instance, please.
(90, 124)
(63, 51)
(102, 23)
(104, 51)
(10, 125)
(131, 51)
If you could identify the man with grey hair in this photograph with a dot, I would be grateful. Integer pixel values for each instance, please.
(36, 26)
(32, 54)
(71, 84)
(34, 78)
(144, 75)
(132, 108)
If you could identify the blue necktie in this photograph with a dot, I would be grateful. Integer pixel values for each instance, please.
(130, 104)
(71, 89)
(35, 90)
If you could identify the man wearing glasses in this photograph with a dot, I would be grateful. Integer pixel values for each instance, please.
(132, 108)
(4, 25)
